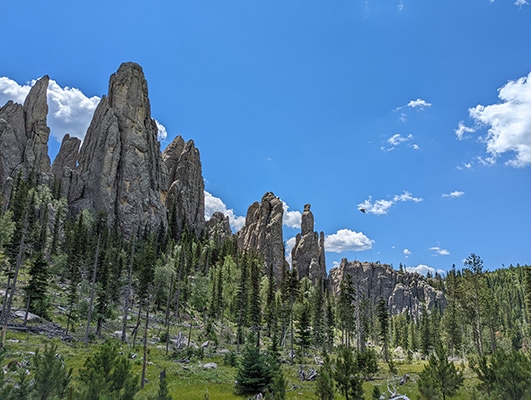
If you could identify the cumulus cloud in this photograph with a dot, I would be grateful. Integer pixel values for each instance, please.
(439, 251)
(407, 252)
(288, 246)
(291, 219)
(347, 240)
(69, 109)
(508, 122)
(453, 195)
(213, 204)
(419, 103)
(381, 207)
(397, 139)
(424, 270)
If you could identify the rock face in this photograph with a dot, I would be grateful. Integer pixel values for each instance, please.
(184, 186)
(262, 233)
(120, 165)
(67, 156)
(218, 227)
(24, 135)
(308, 255)
(403, 292)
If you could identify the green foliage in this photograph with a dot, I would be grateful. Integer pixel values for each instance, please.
(324, 384)
(367, 363)
(107, 373)
(506, 374)
(254, 375)
(36, 290)
(347, 375)
(440, 378)
(50, 376)
(163, 393)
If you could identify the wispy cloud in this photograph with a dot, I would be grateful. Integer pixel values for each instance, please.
(397, 139)
(439, 251)
(69, 109)
(424, 270)
(462, 131)
(381, 207)
(520, 3)
(347, 240)
(453, 195)
(508, 122)
(213, 204)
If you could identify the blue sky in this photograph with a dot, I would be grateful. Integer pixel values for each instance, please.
(417, 111)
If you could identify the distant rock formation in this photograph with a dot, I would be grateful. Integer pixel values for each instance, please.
(67, 156)
(262, 233)
(24, 135)
(120, 164)
(218, 227)
(184, 187)
(308, 254)
(403, 292)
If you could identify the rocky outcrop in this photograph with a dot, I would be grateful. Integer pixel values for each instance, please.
(218, 227)
(262, 233)
(403, 292)
(67, 156)
(24, 135)
(308, 255)
(184, 186)
(120, 164)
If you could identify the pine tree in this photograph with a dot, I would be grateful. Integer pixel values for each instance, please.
(347, 376)
(37, 288)
(324, 383)
(253, 374)
(50, 376)
(383, 319)
(439, 378)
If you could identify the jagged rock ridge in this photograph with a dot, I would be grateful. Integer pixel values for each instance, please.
(403, 292)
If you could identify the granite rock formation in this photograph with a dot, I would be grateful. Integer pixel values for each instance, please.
(403, 292)
(24, 135)
(67, 156)
(120, 168)
(262, 233)
(218, 227)
(308, 254)
(184, 187)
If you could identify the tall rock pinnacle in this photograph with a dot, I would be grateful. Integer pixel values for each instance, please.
(185, 198)
(262, 233)
(308, 256)
(120, 164)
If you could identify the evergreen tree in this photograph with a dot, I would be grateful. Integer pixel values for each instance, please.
(163, 392)
(324, 383)
(439, 378)
(383, 319)
(37, 288)
(50, 376)
(253, 374)
(347, 375)
(107, 374)
(303, 329)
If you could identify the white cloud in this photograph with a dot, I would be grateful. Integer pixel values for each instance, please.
(11, 90)
(407, 252)
(291, 219)
(400, 6)
(520, 3)
(213, 204)
(440, 252)
(397, 139)
(381, 207)
(419, 103)
(462, 130)
(453, 195)
(509, 123)
(347, 240)
(423, 270)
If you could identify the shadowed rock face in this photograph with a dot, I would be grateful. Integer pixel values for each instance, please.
(24, 134)
(262, 233)
(184, 186)
(403, 292)
(308, 255)
(120, 165)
